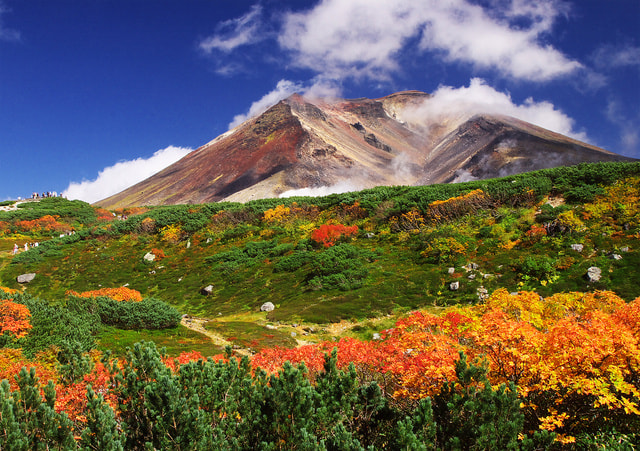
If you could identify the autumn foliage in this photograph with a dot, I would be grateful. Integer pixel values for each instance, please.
(329, 234)
(119, 294)
(575, 357)
(14, 318)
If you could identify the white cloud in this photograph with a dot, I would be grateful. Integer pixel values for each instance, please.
(284, 89)
(340, 187)
(7, 34)
(478, 97)
(362, 38)
(122, 175)
(610, 56)
(235, 32)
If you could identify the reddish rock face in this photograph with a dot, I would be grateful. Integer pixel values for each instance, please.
(362, 143)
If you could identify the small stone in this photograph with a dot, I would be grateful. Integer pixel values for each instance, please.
(451, 270)
(615, 256)
(577, 247)
(271, 327)
(454, 286)
(267, 307)
(594, 273)
(149, 257)
(471, 276)
(207, 290)
(26, 278)
(624, 249)
(188, 244)
(376, 336)
(293, 334)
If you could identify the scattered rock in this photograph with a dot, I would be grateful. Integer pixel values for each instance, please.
(624, 249)
(207, 290)
(376, 336)
(293, 334)
(615, 257)
(188, 244)
(370, 235)
(267, 307)
(209, 240)
(471, 276)
(577, 247)
(26, 278)
(149, 257)
(594, 273)
(451, 270)
(483, 293)
(454, 286)
(271, 327)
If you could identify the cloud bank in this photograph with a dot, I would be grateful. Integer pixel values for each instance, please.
(358, 39)
(478, 98)
(123, 174)
(363, 38)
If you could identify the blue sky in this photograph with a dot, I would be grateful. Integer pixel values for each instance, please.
(97, 94)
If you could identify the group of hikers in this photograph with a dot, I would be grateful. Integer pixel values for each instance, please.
(44, 195)
(26, 247)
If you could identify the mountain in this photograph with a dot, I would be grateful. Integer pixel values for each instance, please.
(300, 145)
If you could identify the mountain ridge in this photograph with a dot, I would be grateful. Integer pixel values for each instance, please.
(302, 143)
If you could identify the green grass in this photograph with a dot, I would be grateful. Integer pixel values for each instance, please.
(250, 335)
(176, 340)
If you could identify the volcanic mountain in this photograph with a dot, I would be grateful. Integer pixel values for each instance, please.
(302, 146)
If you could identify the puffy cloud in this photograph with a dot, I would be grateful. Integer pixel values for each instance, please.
(235, 32)
(363, 38)
(464, 102)
(122, 175)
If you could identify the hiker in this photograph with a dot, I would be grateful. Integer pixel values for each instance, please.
(15, 248)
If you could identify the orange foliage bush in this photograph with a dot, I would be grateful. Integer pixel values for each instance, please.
(119, 294)
(14, 318)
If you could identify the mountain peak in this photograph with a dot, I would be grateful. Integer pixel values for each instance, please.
(301, 144)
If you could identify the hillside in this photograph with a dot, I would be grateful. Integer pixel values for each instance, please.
(502, 311)
(339, 145)
(398, 248)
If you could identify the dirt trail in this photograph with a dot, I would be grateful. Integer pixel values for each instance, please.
(197, 325)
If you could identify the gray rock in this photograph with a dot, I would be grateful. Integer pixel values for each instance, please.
(471, 276)
(267, 307)
(370, 235)
(376, 336)
(293, 334)
(26, 278)
(149, 257)
(594, 273)
(577, 247)
(483, 293)
(615, 256)
(207, 290)
(454, 286)
(451, 270)
(271, 327)
(624, 249)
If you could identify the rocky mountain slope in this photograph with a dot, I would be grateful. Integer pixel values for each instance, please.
(341, 145)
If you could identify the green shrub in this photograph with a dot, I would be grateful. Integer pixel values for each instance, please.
(149, 313)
